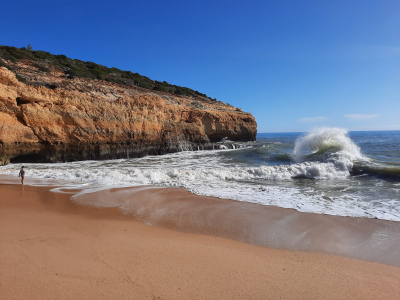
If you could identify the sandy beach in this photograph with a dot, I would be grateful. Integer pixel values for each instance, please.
(52, 248)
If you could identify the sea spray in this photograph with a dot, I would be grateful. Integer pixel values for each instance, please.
(332, 150)
(322, 141)
(272, 172)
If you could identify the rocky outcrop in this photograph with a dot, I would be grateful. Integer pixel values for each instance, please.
(55, 118)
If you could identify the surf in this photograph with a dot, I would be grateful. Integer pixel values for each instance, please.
(324, 143)
(322, 171)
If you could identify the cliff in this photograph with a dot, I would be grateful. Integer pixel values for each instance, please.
(52, 117)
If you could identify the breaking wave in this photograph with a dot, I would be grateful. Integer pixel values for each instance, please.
(327, 144)
(268, 173)
(324, 153)
(331, 150)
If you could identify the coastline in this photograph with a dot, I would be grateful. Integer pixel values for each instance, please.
(51, 246)
(267, 226)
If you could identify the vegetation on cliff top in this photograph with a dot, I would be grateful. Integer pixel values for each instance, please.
(78, 68)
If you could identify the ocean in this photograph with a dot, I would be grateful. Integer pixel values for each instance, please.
(325, 171)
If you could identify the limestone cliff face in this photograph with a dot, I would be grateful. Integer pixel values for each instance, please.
(55, 118)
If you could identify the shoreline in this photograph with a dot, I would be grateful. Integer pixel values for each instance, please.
(268, 226)
(51, 246)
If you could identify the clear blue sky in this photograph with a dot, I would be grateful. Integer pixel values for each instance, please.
(293, 64)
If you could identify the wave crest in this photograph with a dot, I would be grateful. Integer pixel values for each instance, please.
(326, 144)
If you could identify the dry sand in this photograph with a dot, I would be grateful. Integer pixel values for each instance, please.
(51, 248)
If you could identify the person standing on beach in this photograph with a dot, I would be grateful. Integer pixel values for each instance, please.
(22, 174)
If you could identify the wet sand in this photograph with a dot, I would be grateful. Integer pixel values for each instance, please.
(51, 247)
(268, 226)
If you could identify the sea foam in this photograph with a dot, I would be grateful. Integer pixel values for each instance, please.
(326, 144)
(323, 157)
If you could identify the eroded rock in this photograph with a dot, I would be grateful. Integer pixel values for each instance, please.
(62, 119)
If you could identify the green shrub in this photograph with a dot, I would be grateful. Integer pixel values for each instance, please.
(98, 73)
(3, 64)
(77, 68)
(42, 55)
(20, 78)
(41, 68)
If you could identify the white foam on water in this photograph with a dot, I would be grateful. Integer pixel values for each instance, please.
(330, 152)
(321, 140)
(332, 148)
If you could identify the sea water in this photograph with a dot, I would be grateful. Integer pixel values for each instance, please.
(327, 171)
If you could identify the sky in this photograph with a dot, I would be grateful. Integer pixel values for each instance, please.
(293, 64)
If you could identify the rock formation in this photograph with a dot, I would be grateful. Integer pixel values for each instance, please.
(56, 118)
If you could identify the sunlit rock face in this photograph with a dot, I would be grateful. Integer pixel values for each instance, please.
(55, 118)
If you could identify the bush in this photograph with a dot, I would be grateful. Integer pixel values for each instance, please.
(20, 78)
(98, 73)
(41, 68)
(77, 68)
(3, 64)
(42, 55)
